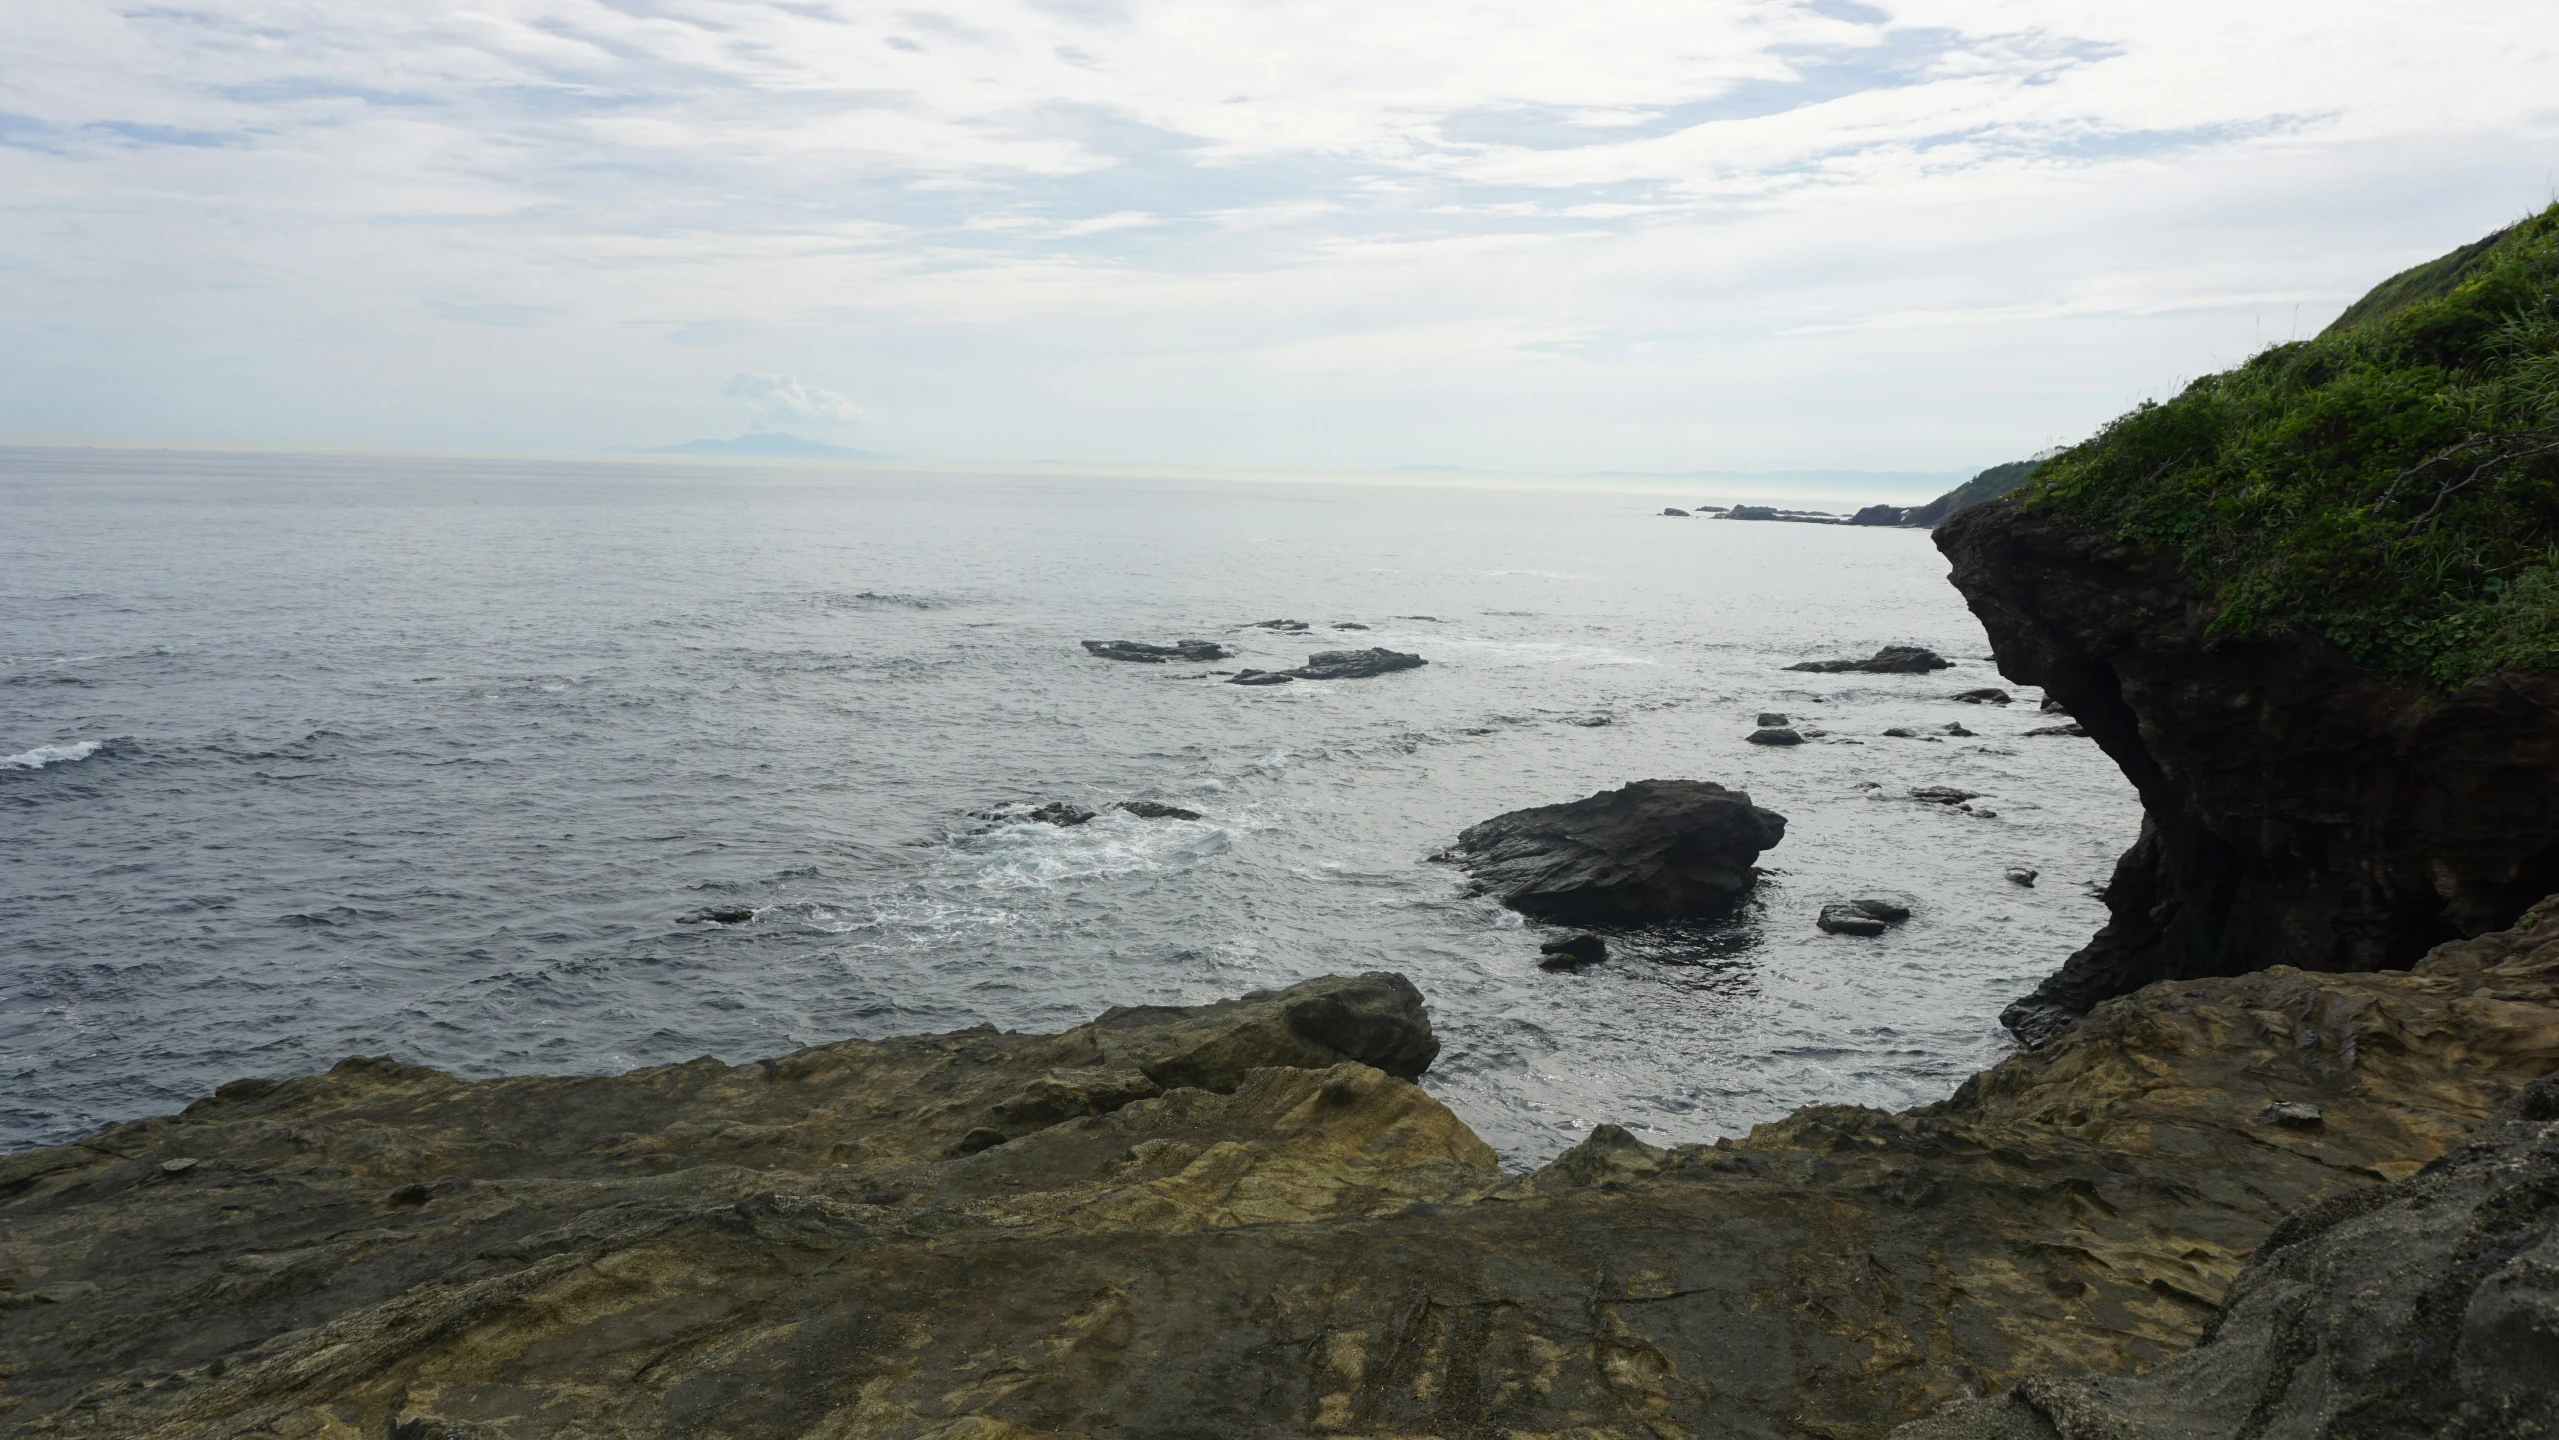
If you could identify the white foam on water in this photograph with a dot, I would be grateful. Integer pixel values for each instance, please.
(44, 755)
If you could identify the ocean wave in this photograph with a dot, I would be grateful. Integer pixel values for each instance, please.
(44, 755)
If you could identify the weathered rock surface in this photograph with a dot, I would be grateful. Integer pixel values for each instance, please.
(2424, 1310)
(1145, 654)
(1891, 660)
(1649, 851)
(2298, 809)
(1356, 664)
(1235, 1220)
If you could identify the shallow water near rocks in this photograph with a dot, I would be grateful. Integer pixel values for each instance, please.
(304, 757)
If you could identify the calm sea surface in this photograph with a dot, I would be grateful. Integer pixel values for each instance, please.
(307, 757)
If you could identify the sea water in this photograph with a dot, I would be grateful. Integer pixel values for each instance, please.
(304, 757)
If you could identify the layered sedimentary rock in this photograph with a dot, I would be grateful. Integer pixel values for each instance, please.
(2299, 809)
(1238, 1220)
(2423, 1310)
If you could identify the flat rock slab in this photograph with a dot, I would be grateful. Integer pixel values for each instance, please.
(1891, 660)
(1145, 654)
(1651, 851)
(1356, 664)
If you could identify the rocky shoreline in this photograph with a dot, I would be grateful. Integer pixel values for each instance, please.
(1239, 1219)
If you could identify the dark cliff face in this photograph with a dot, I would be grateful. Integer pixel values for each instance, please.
(2300, 809)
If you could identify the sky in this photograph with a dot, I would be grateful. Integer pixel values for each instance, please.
(1614, 235)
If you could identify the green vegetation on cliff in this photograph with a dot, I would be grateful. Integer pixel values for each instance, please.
(2392, 484)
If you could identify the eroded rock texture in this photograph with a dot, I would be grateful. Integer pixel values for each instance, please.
(2424, 1310)
(2299, 809)
(1229, 1221)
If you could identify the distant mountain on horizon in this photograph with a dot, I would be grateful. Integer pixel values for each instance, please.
(766, 444)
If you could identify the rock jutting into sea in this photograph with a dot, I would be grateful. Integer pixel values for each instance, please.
(1891, 660)
(1245, 1220)
(1649, 851)
(2298, 808)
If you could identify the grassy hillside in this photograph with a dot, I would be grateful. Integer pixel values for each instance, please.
(2392, 484)
(1989, 485)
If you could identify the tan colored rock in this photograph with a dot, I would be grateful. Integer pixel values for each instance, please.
(1238, 1220)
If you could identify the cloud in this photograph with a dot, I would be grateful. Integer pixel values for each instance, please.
(771, 398)
(1214, 229)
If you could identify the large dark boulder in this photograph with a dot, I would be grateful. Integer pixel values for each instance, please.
(1654, 850)
(2298, 809)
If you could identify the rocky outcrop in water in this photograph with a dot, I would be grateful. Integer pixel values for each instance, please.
(1649, 851)
(2298, 809)
(1238, 1220)
(1356, 664)
(1891, 660)
(1145, 654)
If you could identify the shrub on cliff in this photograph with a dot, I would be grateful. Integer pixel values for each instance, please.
(2392, 484)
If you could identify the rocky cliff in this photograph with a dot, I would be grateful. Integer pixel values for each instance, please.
(1234, 1220)
(2300, 809)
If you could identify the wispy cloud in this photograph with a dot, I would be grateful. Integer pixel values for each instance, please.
(783, 397)
(1628, 233)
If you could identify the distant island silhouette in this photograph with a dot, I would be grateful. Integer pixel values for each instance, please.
(772, 443)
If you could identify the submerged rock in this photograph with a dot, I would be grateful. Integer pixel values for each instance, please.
(1653, 850)
(1156, 810)
(1770, 719)
(1290, 625)
(1572, 951)
(1674, 510)
(2020, 874)
(1348, 625)
(717, 915)
(1774, 735)
(1891, 660)
(1261, 677)
(1956, 728)
(1986, 695)
(1942, 795)
(1355, 664)
(1144, 654)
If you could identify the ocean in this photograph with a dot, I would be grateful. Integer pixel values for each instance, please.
(303, 757)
